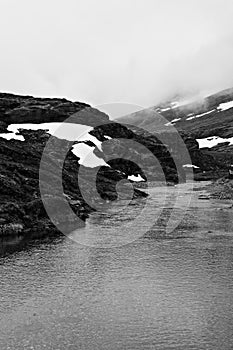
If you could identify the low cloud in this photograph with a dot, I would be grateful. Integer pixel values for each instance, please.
(109, 51)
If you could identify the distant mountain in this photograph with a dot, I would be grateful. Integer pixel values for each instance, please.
(211, 116)
(206, 126)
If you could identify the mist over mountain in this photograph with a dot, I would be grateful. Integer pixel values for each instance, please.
(116, 51)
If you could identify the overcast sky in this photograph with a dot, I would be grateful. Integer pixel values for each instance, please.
(116, 50)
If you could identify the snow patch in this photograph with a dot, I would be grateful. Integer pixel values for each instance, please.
(226, 105)
(66, 131)
(191, 166)
(213, 141)
(135, 178)
(200, 115)
(165, 109)
(172, 122)
(87, 156)
(12, 135)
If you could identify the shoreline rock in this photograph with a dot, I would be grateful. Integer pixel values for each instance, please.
(221, 189)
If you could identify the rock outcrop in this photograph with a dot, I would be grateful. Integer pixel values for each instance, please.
(16, 109)
(169, 166)
(221, 189)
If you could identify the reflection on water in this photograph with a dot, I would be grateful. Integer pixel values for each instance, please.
(150, 294)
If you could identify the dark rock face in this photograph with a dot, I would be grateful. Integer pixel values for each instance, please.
(20, 204)
(152, 148)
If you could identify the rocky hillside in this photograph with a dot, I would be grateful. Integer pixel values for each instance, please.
(21, 207)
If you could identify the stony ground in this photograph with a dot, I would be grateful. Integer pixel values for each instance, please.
(221, 189)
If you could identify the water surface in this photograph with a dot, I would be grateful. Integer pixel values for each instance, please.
(161, 291)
